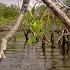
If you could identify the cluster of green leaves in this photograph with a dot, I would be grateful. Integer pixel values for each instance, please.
(37, 26)
(31, 40)
(8, 13)
(34, 24)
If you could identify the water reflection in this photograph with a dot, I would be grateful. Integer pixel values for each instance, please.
(31, 58)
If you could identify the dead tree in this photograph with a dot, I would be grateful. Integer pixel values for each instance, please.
(13, 30)
(58, 12)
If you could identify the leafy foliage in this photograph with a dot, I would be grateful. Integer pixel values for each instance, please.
(11, 11)
(58, 22)
(8, 13)
(37, 26)
(32, 40)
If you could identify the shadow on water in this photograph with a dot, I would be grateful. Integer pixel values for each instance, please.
(44, 54)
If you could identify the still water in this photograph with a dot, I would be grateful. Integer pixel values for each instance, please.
(31, 57)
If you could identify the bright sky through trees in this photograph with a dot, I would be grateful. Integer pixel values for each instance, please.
(17, 2)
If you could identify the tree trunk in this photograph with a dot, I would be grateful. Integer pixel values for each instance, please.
(58, 12)
(43, 46)
(13, 30)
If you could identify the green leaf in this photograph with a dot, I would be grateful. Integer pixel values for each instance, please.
(31, 40)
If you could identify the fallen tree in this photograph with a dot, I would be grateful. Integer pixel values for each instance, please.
(13, 30)
(58, 12)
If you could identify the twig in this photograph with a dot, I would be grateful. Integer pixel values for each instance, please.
(60, 36)
(45, 13)
(64, 5)
(47, 38)
(47, 43)
(29, 26)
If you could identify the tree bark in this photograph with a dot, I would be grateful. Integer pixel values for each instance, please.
(13, 30)
(58, 12)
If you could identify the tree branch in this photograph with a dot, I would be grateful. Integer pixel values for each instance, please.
(58, 12)
(13, 30)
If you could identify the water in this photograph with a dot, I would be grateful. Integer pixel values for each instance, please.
(31, 58)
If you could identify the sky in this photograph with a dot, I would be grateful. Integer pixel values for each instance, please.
(8, 2)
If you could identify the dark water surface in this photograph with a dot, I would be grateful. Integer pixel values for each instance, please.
(31, 58)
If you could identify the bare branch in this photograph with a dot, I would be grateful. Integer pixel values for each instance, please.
(58, 12)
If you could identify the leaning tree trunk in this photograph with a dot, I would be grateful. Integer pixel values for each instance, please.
(13, 30)
(58, 12)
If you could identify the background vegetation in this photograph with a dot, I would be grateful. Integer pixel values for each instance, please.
(8, 14)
